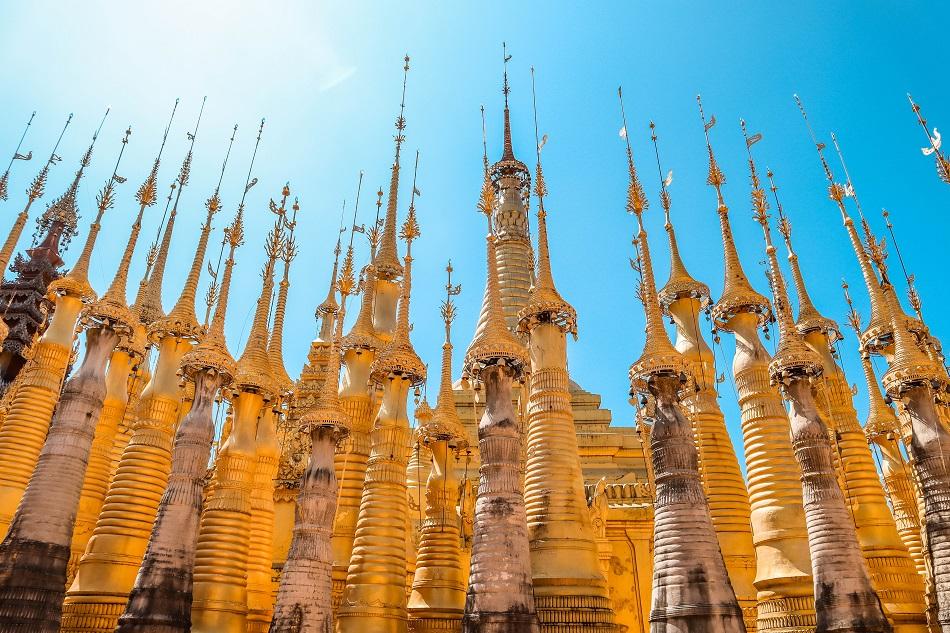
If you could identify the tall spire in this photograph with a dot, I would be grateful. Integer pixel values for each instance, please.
(942, 163)
(793, 358)
(912, 295)
(680, 284)
(148, 300)
(16, 156)
(544, 301)
(254, 372)
(508, 152)
(445, 420)
(809, 319)
(182, 319)
(659, 357)
(36, 190)
(362, 336)
(881, 418)
(387, 260)
(878, 326)
(508, 165)
(493, 342)
(77, 281)
(212, 351)
(737, 294)
(327, 310)
(275, 348)
(58, 222)
(114, 300)
(399, 357)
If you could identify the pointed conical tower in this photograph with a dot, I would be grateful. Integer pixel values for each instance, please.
(688, 567)
(260, 586)
(304, 598)
(569, 589)
(221, 559)
(942, 163)
(28, 418)
(844, 597)
(500, 593)
(108, 568)
(783, 564)
(511, 180)
(5, 178)
(891, 567)
(35, 192)
(162, 594)
(437, 599)
(124, 360)
(360, 348)
(882, 428)
(683, 299)
(375, 593)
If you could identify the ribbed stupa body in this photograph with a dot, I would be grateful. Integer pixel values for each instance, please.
(31, 410)
(351, 459)
(570, 591)
(221, 558)
(725, 488)
(260, 585)
(783, 562)
(108, 568)
(417, 474)
(99, 471)
(893, 572)
(438, 589)
(374, 598)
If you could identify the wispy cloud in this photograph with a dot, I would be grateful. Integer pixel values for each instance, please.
(336, 76)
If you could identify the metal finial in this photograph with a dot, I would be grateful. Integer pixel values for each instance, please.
(664, 182)
(540, 187)
(484, 142)
(505, 89)
(356, 207)
(16, 153)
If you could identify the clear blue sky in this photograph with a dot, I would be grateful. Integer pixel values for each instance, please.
(327, 79)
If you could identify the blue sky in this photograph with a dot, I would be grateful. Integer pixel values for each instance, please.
(326, 76)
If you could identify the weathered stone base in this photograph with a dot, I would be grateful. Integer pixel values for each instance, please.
(574, 614)
(168, 607)
(500, 623)
(31, 585)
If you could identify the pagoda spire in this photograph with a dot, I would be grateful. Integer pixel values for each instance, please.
(387, 264)
(326, 311)
(544, 301)
(59, 219)
(737, 294)
(680, 283)
(275, 347)
(36, 191)
(933, 140)
(683, 526)
(77, 281)
(114, 300)
(148, 300)
(4, 179)
(841, 576)
(809, 319)
(876, 336)
(254, 371)
(399, 357)
(182, 320)
(507, 152)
